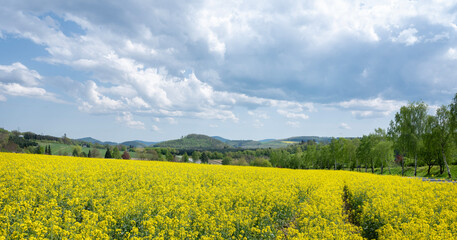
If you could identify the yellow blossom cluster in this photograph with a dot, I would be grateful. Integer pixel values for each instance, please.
(53, 197)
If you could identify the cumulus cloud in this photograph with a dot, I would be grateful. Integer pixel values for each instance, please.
(371, 108)
(204, 60)
(407, 37)
(452, 53)
(17, 80)
(293, 115)
(127, 119)
(258, 114)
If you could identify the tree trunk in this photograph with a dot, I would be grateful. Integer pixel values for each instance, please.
(389, 169)
(445, 163)
(382, 168)
(429, 167)
(403, 167)
(415, 164)
(366, 167)
(335, 164)
(372, 167)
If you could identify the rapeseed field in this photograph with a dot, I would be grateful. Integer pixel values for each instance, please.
(53, 197)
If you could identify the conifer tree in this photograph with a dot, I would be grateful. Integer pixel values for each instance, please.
(108, 153)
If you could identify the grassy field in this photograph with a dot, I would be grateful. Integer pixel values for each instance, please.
(421, 172)
(67, 150)
(56, 197)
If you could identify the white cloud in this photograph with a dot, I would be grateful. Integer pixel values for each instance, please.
(407, 36)
(452, 53)
(17, 80)
(2, 98)
(127, 119)
(371, 108)
(18, 73)
(171, 120)
(133, 62)
(294, 115)
(258, 114)
(344, 126)
(155, 128)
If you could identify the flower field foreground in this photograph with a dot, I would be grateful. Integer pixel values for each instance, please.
(80, 198)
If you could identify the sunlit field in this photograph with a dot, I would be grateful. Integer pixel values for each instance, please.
(57, 197)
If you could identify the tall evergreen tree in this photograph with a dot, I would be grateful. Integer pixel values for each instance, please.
(108, 153)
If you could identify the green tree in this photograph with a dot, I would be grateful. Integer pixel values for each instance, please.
(95, 153)
(204, 158)
(49, 150)
(408, 130)
(185, 157)
(196, 156)
(77, 151)
(116, 154)
(108, 153)
(169, 156)
(335, 149)
(445, 132)
(430, 149)
(261, 162)
(226, 160)
(39, 150)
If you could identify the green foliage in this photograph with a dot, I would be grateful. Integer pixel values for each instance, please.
(240, 162)
(108, 153)
(196, 155)
(204, 157)
(116, 154)
(76, 151)
(185, 157)
(226, 160)
(261, 162)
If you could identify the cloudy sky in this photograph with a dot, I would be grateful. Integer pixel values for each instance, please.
(158, 70)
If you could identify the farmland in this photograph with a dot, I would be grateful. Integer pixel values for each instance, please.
(59, 197)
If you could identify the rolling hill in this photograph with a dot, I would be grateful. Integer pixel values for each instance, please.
(194, 142)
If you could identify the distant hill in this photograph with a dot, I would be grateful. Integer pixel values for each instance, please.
(89, 140)
(251, 144)
(93, 140)
(267, 140)
(309, 138)
(224, 140)
(138, 143)
(194, 142)
(134, 144)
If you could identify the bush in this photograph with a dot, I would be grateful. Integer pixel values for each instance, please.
(261, 162)
(125, 155)
(227, 160)
(240, 162)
